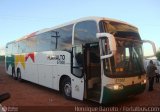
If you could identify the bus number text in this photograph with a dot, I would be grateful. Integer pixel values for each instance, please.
(61, 59)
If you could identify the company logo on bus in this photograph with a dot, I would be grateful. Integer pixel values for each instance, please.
(59, 58)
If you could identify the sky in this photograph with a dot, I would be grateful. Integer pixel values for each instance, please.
(21, 17)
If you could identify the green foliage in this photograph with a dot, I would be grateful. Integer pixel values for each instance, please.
(158, 55)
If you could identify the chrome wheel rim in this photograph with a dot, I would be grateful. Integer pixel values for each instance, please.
(67, 89)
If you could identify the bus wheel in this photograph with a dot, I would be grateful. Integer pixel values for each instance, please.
(66, 88)
(14, 74)
(19, 75)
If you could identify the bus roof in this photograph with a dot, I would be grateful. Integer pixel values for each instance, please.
(94, 18)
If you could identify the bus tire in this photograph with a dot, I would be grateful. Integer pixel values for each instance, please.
(14, 73)
(66, 88)
(19, 75)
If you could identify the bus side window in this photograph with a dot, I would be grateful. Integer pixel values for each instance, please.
(45, 42)
(79, 55)
(22, 46)
(9, 49)
(85, 32)
(54, 40)
(31, 44)
(77, 62)
(64, 38)
(15, 48)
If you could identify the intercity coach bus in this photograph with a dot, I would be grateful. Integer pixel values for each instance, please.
(93, 58)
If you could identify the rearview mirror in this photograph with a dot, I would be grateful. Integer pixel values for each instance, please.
(112, 43)
(111, 38)
(153, 47)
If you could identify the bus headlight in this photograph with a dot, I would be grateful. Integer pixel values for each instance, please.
(115, 86)
(143, 81)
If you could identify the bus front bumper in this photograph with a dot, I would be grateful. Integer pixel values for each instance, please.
(111, 96)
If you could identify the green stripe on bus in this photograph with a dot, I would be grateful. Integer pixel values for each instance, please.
(10, 61)
(110, 96)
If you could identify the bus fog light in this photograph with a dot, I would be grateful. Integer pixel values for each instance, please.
(115, 86)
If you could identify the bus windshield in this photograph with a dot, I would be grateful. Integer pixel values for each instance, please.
(128, 58)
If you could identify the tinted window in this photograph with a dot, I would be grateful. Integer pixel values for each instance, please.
(85, 32)
(14, 48)
(8, 49)
(31, 44)
(22, 46)
(45, 42)
(64, 36)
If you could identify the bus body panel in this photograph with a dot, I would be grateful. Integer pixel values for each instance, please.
(110, 96)
(31, 70)
(131, 86)
(45, 69)
(61, 66)
(77, 87)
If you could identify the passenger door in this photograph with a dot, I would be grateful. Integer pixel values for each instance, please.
(77, 80)
(92, 69)
(84, 32)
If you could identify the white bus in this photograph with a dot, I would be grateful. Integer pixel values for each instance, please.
(93, 58)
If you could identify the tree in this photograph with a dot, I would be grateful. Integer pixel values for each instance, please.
(158, 55)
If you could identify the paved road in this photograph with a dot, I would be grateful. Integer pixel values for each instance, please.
(29, 94)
